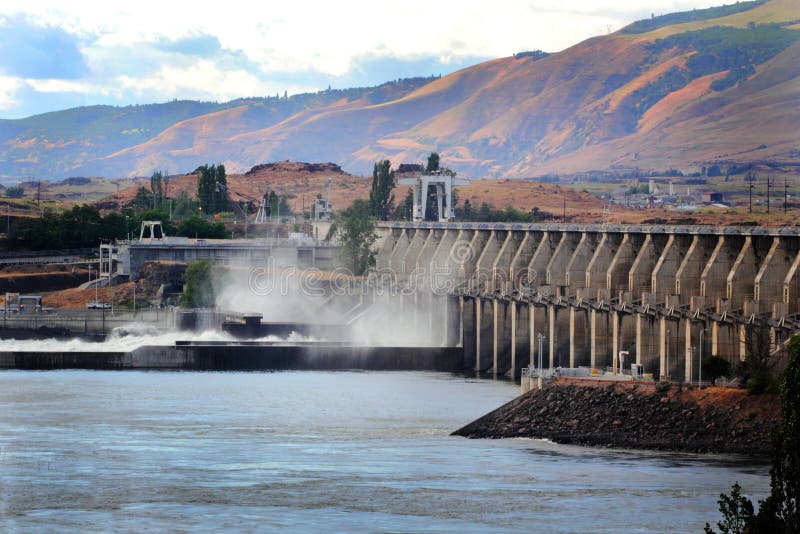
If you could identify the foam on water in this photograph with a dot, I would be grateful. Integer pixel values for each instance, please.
(127, 338)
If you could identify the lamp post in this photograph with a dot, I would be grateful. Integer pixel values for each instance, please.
(541, 339)
(666, 364)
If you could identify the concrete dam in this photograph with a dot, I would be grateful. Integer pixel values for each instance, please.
(598, 296)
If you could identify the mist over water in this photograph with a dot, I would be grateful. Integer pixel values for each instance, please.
(319, 451)
(128, 338)
(288, 296)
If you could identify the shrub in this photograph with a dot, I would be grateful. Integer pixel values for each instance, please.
(663, 386)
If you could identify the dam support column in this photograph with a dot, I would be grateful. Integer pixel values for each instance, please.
(478, 327)
(522, 337)
(662, 349)
(687, 367)
(469, 331)
(572, 320)
(513, 314)
(639, 338)
(615, 340)
(593, 339)
(496, 331)
(532, 336)
(551, 316)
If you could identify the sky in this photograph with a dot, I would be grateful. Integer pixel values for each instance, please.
(56, 55)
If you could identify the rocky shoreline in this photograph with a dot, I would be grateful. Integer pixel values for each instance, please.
(635, 416)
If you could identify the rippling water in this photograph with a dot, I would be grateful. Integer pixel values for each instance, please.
(343, 451)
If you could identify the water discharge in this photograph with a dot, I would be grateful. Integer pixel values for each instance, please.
(128, 338)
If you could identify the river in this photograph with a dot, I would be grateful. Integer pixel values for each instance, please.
(96, 451)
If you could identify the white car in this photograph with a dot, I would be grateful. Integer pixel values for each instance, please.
(97, 305)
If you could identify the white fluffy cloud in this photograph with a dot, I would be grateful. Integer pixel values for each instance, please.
(246, 48)
(8, 87)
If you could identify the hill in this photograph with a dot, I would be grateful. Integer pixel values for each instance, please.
(677, 91)
(67, 143)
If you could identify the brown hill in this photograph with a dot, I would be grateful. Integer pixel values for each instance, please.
(301, 182)
(296, 180)
(675, 91)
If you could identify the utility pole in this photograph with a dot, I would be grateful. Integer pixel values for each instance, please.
(750, 208)
(38, 193)
(785, 195)
(564, 218)
(769, 184)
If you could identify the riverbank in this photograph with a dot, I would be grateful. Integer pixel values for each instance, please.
(636, 416)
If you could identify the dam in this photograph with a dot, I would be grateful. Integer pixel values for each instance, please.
(601, 296)
(645, 300)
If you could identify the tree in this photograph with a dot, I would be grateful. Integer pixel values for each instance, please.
(143, 199)
(212, 189)
(157, 188)
(220, 189)
(737, 513)
(15, 192)
(433, 162)
(198, 285)
(355, 229)
(274, 204)
(381, 197)
(780, 511)
(404, 210)
(283, 206)
(199, 227)
(184, 206)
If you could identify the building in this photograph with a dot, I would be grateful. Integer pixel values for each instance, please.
(711, 197)
(126, 258)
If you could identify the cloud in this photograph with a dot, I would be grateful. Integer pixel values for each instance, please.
(8, 88)
(33, 51)
(200, 45)
(60, 52)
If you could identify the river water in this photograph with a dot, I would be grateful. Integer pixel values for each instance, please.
(319, 451)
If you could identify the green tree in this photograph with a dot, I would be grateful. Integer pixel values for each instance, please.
(404, 210)
(274, 204)
(15, 192)
(220, 189)
(737, 513)
(212, 189)
(157, 188)
(184, 206)
(194, 226)
(381, 197)
(355, 229)
(143, 199)
(433, 162)
(780, 511)
(283, 206)
(198, 285)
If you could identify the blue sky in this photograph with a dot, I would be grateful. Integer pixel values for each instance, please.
(56, 55)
